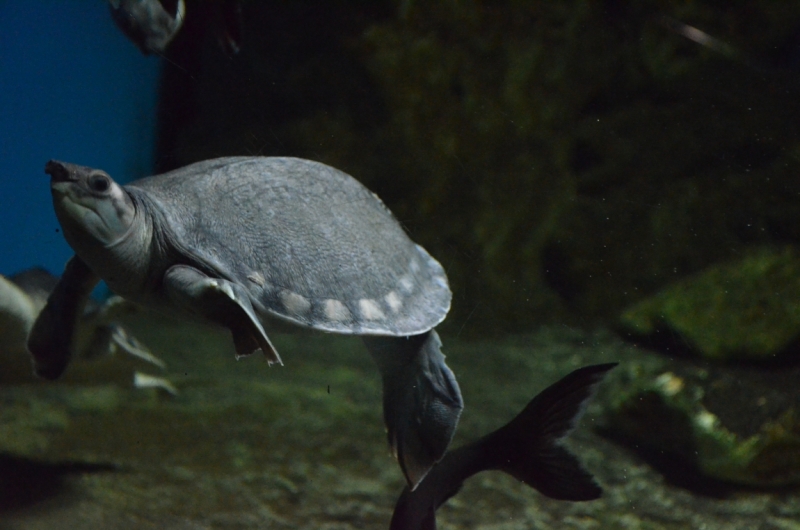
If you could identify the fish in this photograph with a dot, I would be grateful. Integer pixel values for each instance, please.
(153, 24)
(528, 448)
(228, 25)
(784, 56)
(150, 24)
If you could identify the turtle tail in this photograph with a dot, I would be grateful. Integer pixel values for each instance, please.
(421, 400)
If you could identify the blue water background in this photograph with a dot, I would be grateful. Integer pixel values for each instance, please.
(71, 88)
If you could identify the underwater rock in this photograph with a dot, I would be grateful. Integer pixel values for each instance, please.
(705, 427)
(749, 308)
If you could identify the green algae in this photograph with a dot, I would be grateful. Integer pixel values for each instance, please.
(747, 308)
(670, 414)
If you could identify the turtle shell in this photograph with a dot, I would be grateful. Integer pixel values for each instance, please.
(308, 242)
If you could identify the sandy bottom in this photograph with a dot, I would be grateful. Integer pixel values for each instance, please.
(245, 445)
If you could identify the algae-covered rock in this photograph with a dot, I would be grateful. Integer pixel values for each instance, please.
(749, 308)
(727, 425)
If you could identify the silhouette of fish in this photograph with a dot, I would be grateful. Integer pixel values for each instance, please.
(150, 24)
(528, 448)
(784, 57)
(153, 24)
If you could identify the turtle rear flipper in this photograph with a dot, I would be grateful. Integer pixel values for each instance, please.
(421, 400)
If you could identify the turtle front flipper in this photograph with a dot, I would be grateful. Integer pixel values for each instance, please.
(52, 336)
(421, 400)
(222, 302)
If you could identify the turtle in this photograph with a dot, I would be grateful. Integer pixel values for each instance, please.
(249, 242)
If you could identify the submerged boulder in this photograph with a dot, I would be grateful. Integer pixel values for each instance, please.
(730, 425)
(749, 308)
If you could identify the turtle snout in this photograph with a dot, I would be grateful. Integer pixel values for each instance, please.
(58, 171)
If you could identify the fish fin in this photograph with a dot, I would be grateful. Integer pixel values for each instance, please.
(408, 515)
(528, 447)
(558, 475)
(229, 26)
(171, 7)
(429, 523)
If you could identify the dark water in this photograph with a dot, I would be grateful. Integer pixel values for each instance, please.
(73, 89)
(602, 182)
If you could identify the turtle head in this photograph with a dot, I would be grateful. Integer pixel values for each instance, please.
(89, 204)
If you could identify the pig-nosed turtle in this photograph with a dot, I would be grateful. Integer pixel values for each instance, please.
(238, 241)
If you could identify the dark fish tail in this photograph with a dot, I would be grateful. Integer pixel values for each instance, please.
(229, 26)
(528, 447)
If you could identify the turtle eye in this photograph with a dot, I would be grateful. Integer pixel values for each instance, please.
(99, 183)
